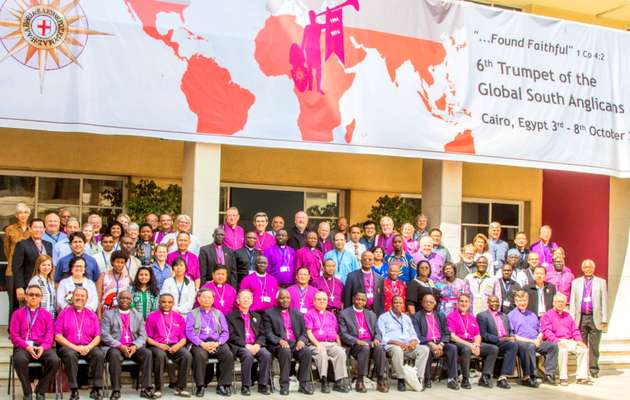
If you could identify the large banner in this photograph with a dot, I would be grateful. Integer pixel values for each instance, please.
(414, 78)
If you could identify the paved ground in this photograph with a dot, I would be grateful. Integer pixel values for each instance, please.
(611, 385)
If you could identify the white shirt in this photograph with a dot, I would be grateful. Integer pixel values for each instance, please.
(194, 243)
(350, 248)
(183, 303)
(67, 286)
(103, 260)
(60, 250)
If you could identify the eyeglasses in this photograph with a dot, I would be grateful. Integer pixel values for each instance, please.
(34, 294)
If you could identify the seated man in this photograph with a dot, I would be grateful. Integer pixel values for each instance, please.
(331, 285)
(286, 337)
(530, 340)
(124, 337)
(31, 332)
(559, 327)
(166, 338)
(358, 331)
(322, 331)
(246, 342)
(78, 333)
(401, 341)
(432, 331)
(207, 331)
(495, 329)
(465, 334)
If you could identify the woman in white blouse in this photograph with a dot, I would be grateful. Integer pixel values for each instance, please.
(77, 279)
(180, 287)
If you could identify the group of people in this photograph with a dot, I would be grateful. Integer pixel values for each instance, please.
(152, 292)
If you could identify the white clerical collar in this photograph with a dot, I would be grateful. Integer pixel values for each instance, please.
(321, 312)
(261, 275)
(124, 311)
(219, 285)
(355, 309)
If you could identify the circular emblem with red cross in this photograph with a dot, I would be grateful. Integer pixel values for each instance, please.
(44, 27)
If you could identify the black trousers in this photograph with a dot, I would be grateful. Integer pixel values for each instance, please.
(50, 365)
(182, 359)
(527, 355)
(200, 362)
(304, 357)
(363, 354)
(591, 337)
(95, 359)
(487, 352)
(450, 355)
(508, 350)
(247, 364)
(142, 356)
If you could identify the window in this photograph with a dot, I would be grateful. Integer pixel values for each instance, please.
(415, 200)
(46, 193)
(477, 215)
(319, 204)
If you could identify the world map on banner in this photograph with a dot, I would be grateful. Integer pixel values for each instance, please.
(226, 110)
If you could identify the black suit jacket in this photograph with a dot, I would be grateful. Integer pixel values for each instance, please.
(488, 328)
(236, 326)
(354, 284)
(242, 260)
(273, 325)
(208, 261)
(549, 292)
(297, 240)
(422, 328)
(349, 327)
(23, 263)
(509, 295)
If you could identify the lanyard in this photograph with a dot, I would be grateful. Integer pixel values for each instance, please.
(284, 261)
(180, 289)
(506, 287)
(76, 323)
(370, 283)
(399, 322)
(260, 244)
(170, 326)
(302, 295)
(465, 325)
(339, 259)
(263, 284)
(104, 259)
(331, 292)
(30, 322)
(250, 258)
(219, 295)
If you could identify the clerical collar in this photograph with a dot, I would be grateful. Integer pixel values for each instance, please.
(588, 277)
(321, 312)
(165, 312)
(355, 309)
(124, 311)
(33, 309)
(250, 248)
(261, 275)
(219, 285)
(366, 272)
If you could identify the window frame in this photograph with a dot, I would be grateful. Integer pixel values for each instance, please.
(490, 202)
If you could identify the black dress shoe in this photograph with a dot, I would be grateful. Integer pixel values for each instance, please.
(359, 387)
(115, 395)
(466, 384)
(550, 379)
(284, 391)
(503, 384)
(427, 384)
(485, 381)
(305, 388)
(594, 375)
(264, 389)
(200, 391)
(529, 383)
(452, 384)
(28, 396)
(40, 396)
(401, 385)
(225, 391)
(96, 394)
(147, 393)
(245, 391)
(325, 386)
(341, 386)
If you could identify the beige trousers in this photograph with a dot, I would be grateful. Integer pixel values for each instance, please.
(334, 353)
(565, 347)
(420, 354)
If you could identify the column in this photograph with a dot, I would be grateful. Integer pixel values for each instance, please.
(201, 187)
(442, 200)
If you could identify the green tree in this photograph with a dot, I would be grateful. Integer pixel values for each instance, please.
(147, 197)
(395, 207)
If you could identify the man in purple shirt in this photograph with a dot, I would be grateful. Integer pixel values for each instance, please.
(560, 275)
(559, 327)
(31, 332)
(435, 260)
(302, 294)
(207, 331)
(331, 285)
(224, 293)
(310, 256)
(234, 234)
(530, 340)
(263, 286)
(78, 333)
(322, 331)
(545, 247)
(281, 259)
(166, 338)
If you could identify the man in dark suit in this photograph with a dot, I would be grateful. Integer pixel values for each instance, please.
(214, 254)
(430, 325)
(366, 281)
(495, 329)
(540, 293)
(245, 257)
(508, 288)
(24, 257)
(247, 341)
(286, 338)
(359, 332)
(297, 234)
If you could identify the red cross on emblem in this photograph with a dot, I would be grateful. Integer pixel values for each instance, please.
(44, 26)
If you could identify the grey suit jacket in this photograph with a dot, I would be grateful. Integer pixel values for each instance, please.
(349, 328)
(111, 328)
(599, 298)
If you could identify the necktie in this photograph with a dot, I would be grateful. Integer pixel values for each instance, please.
(356, 250)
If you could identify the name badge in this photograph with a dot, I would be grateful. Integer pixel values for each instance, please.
(284, 269)
(370, 295)
(266, 299)
(30, 343)
(303, 310)
(250, 272)
(506, 303)
(587, 299)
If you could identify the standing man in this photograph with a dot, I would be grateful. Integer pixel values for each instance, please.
(331, 285)
(435, 260)
(508, 288)
(124, 337)
(78, 335)
(589, 309)
(342, 227)
(286, 339)
(207, 331)
(482, 286)
(165, 227)
(545, 247)
(53, 233)
(264, 239)
(247, 342)
(310, 256)
(77, 247)
(495, 329)
(62, 247)
(366, 281)
(496, 246)
(103, 259)
(392, 286)
(324, 240)
(297, 234)
(234, 234)
(184, 224)
(224, 293)
(31, 333)
(23, 261)
(369, 234)
(530, 340)
(246, 255)
(133, 263)
(277, 223)
(436, 236)
(560, 275)
(420, 225)
(281, 259)
(152, 220)
(540, 293)
(166, 337)
(359, 332)
(217, 253)
(401, 342)
(385, 238)
(345, 261)
(467, 264)
(354, 245)
(263, 286)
